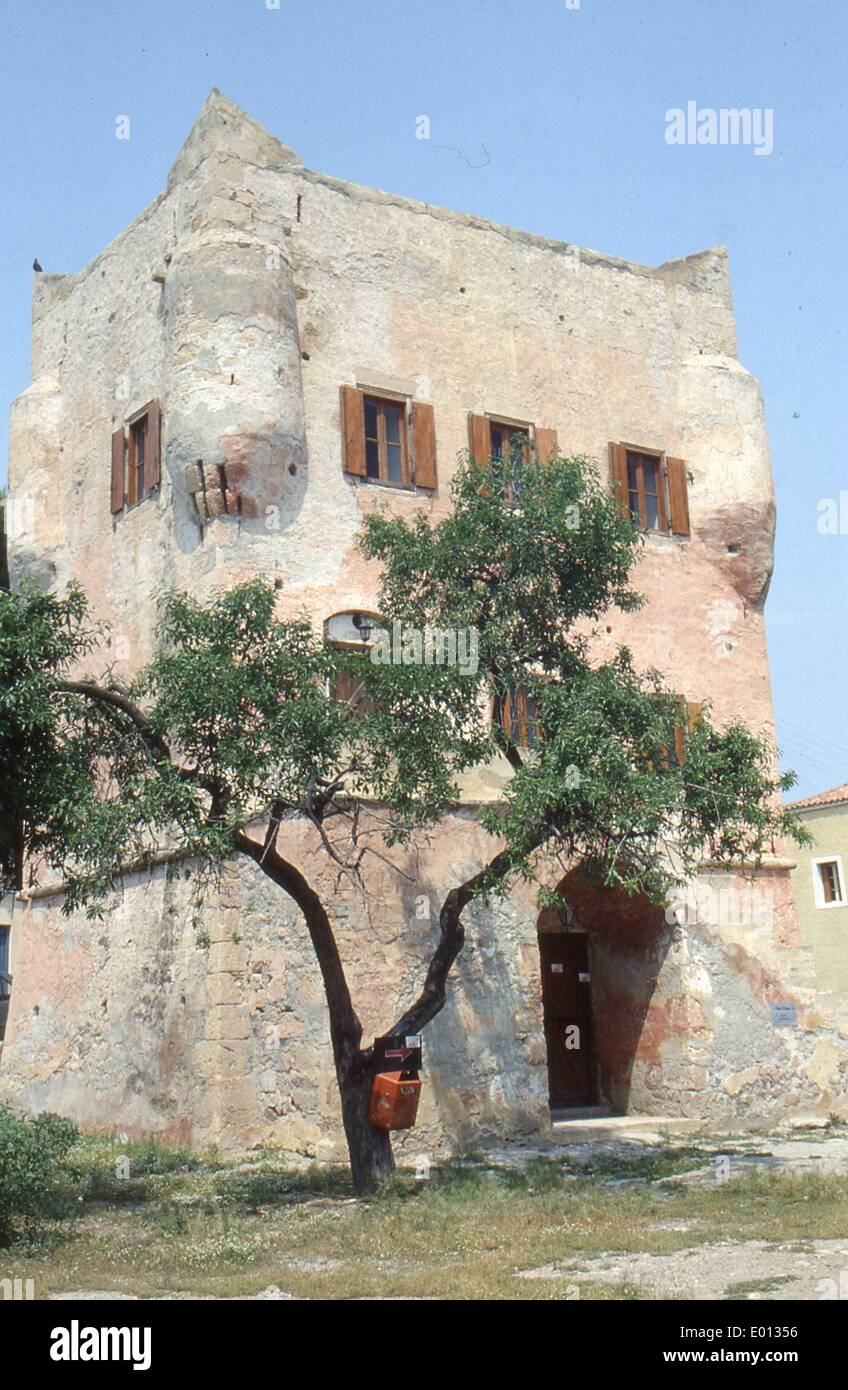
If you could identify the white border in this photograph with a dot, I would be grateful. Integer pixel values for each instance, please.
(817, 882)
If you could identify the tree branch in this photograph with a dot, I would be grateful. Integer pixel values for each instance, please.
(151, 740)
(431, 1000)
(345, 1027)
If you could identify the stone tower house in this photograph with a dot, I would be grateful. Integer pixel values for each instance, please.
(203, 396)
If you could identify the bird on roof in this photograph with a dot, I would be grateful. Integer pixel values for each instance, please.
(36, 265)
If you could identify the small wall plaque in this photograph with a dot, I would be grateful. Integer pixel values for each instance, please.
(784, 1015)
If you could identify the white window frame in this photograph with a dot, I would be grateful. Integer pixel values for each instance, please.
(818, 888)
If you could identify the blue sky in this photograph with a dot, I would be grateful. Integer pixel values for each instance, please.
(544, 116)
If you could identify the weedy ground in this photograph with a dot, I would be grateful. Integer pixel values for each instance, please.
(154, 1222)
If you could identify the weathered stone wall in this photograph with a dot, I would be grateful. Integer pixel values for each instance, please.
(275, 286)
(281, 285)
(206, 1022)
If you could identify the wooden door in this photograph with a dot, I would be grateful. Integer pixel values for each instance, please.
(567, 1002)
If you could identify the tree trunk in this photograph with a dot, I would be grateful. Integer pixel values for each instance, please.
(371, 1159)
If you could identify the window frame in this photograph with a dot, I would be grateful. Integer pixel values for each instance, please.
(138, 425)
(364, 705)
(503, 715)
(128, 472)
(658, 457)
(514, 428)
(381, 399)
(818, 881)
(673, 511)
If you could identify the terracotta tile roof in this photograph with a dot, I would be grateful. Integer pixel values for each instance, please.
(831, 798)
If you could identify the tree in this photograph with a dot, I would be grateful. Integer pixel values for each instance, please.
(232, 730)
(40, 775)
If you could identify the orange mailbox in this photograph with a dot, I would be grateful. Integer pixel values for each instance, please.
(394, 1100)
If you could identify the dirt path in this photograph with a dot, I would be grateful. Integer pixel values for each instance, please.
(751, 1269)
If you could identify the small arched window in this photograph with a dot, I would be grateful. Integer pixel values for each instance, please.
(353, 631)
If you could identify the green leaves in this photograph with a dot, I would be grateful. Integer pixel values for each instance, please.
(42, 765)
(530, 556)
(524, 574)
(35, 1179)
(243, 696)
(237, 719)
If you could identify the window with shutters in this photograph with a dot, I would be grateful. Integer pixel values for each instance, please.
(136, 464)
(517, 712)
(138, 448)
(651, 488)
(828, 882)
(386, 444)
(493, 440)
(353, 632)
(646, 491)
(510, 443)
(388, 440)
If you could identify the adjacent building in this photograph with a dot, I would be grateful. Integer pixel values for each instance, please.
(821, 889)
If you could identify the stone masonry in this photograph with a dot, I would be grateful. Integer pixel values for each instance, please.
(241, 300)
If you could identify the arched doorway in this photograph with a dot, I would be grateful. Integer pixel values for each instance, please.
(607, 1027)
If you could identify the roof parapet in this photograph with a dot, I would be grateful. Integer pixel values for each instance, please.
(223, 128)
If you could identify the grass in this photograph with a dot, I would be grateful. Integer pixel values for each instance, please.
(152, 1221)
(745, 1287)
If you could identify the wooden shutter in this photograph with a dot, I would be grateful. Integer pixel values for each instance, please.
(680, 742)
(424, 444)
(132, 470)
(678, 497)
(618, 474)
(118, 471)
(480, 440)
(693, 713)
(546, 443)
(690, 713)
(152, 459)
(353, 431)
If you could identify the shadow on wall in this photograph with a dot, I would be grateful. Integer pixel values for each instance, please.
(629, 941)
(483, 1063)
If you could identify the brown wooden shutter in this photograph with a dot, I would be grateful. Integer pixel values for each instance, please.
(690, 713)
(424, 444)
(132, 470)
(152, 457)
(353, 431)
(480, 440)
(618, 474)
(678, 497)
(118, 470)
(680, 743)
(546, 444)
(693, 713)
